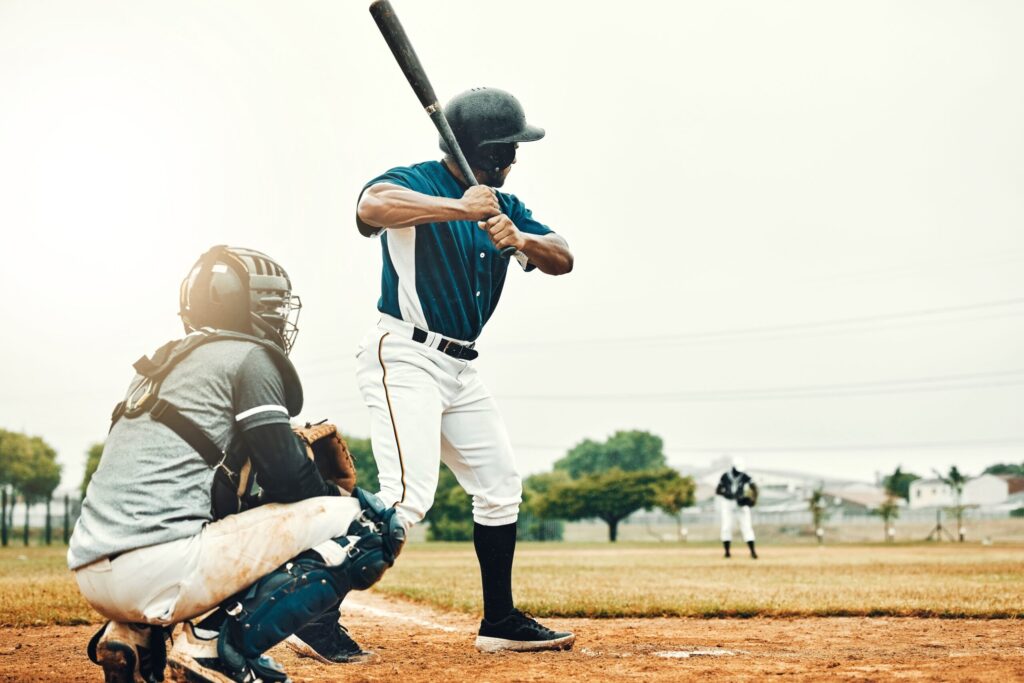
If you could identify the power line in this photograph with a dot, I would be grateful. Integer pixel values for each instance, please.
(922, 316)
(954, 382)
(999, 442)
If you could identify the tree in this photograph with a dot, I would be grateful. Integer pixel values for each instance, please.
(12, 450)
(19, 469)
(628, 451)
(818, 505)
(532, 525)
(92, 461)
(451, 515)
(1005, 468)
(609, 496)
(36, 475)
(366, 465)
(956, 480)
(898, 483)
(674, 494)
(889, 510)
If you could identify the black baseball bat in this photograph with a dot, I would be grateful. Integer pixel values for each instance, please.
(394, 35)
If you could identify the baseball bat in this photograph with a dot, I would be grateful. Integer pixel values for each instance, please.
(394, 35)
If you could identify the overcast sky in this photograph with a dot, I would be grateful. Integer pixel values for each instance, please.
(797, 225)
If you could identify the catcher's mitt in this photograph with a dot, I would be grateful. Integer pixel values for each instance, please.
(328, 450)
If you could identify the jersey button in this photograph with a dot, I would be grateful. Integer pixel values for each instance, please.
(481, 254)
(478, 293)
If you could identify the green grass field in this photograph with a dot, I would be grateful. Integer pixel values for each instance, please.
(636, 580)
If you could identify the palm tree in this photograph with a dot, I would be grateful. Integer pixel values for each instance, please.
(889, 510)
(819, 512)
(955, 480)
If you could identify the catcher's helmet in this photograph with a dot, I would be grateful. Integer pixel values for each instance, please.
(488, 123)
(233, 288)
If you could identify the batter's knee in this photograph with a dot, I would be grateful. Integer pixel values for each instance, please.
(499, 505)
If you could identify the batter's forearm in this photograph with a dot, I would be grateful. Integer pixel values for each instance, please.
(390, 206)
(550, 253)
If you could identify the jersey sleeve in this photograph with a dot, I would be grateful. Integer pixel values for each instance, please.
(525, 222)
(283, 471)
(259, 392)
(402, 176)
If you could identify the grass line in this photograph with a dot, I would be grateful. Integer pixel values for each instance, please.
(640, 580)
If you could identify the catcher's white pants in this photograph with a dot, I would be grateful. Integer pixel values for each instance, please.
(427, 408)
(170, 582)
(727, 508)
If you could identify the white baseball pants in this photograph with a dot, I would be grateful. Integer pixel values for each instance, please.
(170, 582)
(426, 408)
(726, 508)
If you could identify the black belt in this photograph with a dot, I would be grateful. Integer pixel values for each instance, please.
(447, 346)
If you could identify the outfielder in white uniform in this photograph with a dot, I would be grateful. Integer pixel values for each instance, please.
(442, 276)
(736, 494)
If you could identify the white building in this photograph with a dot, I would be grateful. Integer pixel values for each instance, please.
(930, 493)
(988, 489)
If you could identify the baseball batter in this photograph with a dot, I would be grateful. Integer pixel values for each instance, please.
(442, 277)
(736, 494)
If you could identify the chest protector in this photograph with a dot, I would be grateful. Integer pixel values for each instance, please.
(233, 480)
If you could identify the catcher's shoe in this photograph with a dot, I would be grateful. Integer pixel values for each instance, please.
(194, 659)
(327, 641)
(520, 633)
(129, 653)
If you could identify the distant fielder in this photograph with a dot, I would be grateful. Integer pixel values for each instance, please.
(736, 493)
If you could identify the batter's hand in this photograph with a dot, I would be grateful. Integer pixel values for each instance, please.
(480, 203)
(503, 232)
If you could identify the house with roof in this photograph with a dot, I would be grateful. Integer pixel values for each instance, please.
(984, 491)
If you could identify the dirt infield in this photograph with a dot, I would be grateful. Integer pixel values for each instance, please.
(417, 644)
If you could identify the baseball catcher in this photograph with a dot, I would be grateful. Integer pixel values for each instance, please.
(205, 504)
(737, 493)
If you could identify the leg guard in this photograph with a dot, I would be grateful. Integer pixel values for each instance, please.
(287, 599)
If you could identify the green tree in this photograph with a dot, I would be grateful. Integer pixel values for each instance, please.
(956, 481)
(672, 495)
(889, 510)
(818, 505)
(609, 496)
(532, 525)
(20, 470)
(629, 451)
(13, 451)
(37, 475)
(1005, 468)
(451, 515)
(92, 461)
(898, 483)
(366, 465)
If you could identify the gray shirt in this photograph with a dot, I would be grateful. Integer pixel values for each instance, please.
(150, 486)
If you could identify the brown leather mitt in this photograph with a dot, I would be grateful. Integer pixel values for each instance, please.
(328, 450)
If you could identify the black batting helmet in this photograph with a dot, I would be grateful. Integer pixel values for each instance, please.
(488, 123)
(233, 288)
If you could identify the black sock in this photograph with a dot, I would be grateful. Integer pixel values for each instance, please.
(495, 548)
(214, 620)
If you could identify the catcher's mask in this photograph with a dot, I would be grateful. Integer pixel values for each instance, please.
(488, 123)
(233, 288)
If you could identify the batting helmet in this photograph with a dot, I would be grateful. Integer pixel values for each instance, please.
(233, 288)
(488, 123)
